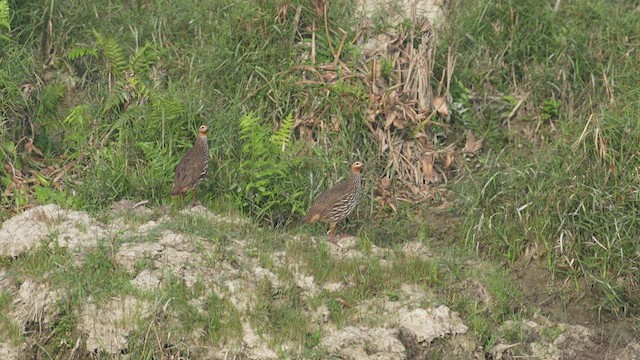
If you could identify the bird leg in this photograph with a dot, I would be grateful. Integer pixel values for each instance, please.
(193, 201)
(332, 230)
(339, 230)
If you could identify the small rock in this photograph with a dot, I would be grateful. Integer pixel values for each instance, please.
(8, 351)
(35, 303)
(362, 343)
(322, 315)
(108, 326)
(145, 228)
(306, 283)
(129, 253)
(346, 249)
(6, 282)
(416, 249)
(571, 341)
(200, 210)
(124, 206)
(630, 352)
(146, 280)
(254, 347)
(423, 326)
(333, 286)
(262, 273)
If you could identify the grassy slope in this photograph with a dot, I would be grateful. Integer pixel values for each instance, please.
(566, 191)
(559, 183)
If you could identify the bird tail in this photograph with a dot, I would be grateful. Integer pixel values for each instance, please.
(176, 190)
(311, 217)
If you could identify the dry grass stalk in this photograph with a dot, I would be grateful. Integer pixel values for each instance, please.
(401, 106)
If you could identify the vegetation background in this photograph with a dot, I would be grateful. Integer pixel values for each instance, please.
(98, 100)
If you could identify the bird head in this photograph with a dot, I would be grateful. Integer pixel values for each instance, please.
(356, 167)
(203, 130)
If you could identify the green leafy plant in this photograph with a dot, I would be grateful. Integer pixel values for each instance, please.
(550, 109)
(267, 168)
(4, 19)
(133, 152)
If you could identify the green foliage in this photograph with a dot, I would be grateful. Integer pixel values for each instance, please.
(281, 315)
(113, 53)
(222, 319)
(135, 152)
(47, 195)
(267, 170)
(5, 18)
(566, 193)
(9, 329)
(80, 52)
(550, 109)
(49, 101)
(75, 125)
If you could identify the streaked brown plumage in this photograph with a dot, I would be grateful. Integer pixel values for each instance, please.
(335, 204)
(193, 166)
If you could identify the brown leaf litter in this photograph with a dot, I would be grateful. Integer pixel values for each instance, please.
(402, 106)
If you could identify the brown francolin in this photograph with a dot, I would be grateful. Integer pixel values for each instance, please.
(193, 166)
(335, 204)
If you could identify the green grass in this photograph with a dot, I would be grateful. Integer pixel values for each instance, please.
(554, 93)
(8, 328)
(566, 191)
(280, 313)
(180, 323)
(96, 279)
(214, 63)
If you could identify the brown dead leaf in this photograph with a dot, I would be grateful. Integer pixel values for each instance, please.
(31, 147)
(383, 195)
(376, 69)
(392, 98)
(335, 123)
(281, 15)
(448, 160)
(440, 105)
(427, 168)
(382, 188)
(28, 89)
(384, 183)
(344, 302)
(472, 146)
(398, 123)
(319, 5)
(371, 115)
(306, 134)
(391, 118)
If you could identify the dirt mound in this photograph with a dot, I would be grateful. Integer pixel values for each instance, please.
(156, 253)
(70, 229)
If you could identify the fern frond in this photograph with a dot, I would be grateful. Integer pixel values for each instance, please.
(74, 124)
(255, 137)
(114, 54)
(78, 52)
(139, 88)
(49, 99)
(118, 97)
(168, 109)
(144, 58)
(4, 15)
(76, 117)
(266, 169)
(150, 149)
(282, 137)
